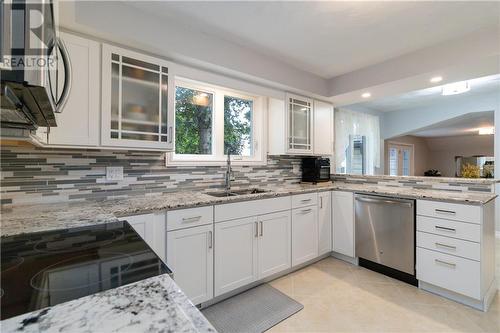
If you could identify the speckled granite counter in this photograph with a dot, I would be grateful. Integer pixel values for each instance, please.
(32, 218)
(152, 305)
(155, 304)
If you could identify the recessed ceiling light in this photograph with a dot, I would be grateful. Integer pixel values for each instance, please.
(436, 79)
(455, 88)
(366, 95)
(487, 131)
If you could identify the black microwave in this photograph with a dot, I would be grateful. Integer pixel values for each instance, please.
(315, 169)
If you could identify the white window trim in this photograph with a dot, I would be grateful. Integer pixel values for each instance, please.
(259, 125)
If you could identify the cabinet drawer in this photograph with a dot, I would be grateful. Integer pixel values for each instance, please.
(457, 247)
(244, 209)
(185, 218)
(451, 211)
(303, 200)
(453, 273)
(447, 228)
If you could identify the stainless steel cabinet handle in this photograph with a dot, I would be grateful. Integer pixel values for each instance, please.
(445, 263)
(305, 200)
(256, 229)
(261, 229)
(445, 228)
(191, 219)
(170, 134)
(210, 240)
(306, 210)
(320, 202)
(443, 211)
(446, 246)
(384, 201)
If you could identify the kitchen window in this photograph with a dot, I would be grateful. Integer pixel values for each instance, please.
(211, 121)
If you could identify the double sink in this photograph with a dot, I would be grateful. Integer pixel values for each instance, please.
(233, 193)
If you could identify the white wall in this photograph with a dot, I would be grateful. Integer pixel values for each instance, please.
(177, 41)
(399, 123)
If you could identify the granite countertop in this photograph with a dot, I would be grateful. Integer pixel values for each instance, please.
(155, 304)
(152, 305)
(42, 217)
(457, 180)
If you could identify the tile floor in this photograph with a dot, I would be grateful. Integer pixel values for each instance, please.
(340, 297)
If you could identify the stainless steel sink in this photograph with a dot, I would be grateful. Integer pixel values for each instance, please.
(221, 194)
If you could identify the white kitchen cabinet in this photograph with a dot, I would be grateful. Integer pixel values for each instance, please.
(324, 222)
(456, 251)
(190, 257)
(236, 262)
(137, 100)
(304, 234)
(274, 243)
(152, 228)
(78, 123)
(300, 126)
(249, 248)
(323, 128)
(343, 222)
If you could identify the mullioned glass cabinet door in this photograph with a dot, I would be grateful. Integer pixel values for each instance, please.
(137, 100)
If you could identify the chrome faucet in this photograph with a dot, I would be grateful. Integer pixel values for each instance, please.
(229, 173)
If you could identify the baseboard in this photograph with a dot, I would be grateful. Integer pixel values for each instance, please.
(254, 284)
(343, 257)
(482, 305)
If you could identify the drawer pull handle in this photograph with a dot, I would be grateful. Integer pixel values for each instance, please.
(443, 211)
(321, 202)
(445, 229)
(210, 240)
(449, 264)
(191, 219)
(304, 211)
(305, 200)
(256, 229)
(261, 229)
(446, 246)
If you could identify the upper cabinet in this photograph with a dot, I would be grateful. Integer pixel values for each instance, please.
(300, 126)
(78, 122)
(324, 126)
(137, 100)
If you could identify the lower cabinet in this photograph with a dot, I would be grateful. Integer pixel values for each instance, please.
(151, 227)
(304, 234)
(190, 257)
(343, 222)
(274, 243)
(249, 249)
(235, 254)
(324, 222)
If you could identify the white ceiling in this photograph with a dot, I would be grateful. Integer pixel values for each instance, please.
(330, 38)
(430, 97)
(467, 124)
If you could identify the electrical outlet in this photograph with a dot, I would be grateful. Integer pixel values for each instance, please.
(114, 173)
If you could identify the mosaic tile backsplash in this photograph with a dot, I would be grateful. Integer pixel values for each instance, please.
(424, 183)
(37, 175)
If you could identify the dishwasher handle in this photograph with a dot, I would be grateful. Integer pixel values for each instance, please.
(384, 201)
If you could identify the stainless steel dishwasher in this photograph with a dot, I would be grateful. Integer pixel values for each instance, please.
(385, 235)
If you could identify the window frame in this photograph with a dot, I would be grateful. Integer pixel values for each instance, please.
(218, 157)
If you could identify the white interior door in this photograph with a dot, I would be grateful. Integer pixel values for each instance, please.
(400, 159)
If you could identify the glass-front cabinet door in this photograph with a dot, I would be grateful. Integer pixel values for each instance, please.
(300, 124)
(137, 101)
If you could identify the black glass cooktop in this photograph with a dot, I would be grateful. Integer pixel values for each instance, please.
(47, 268)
